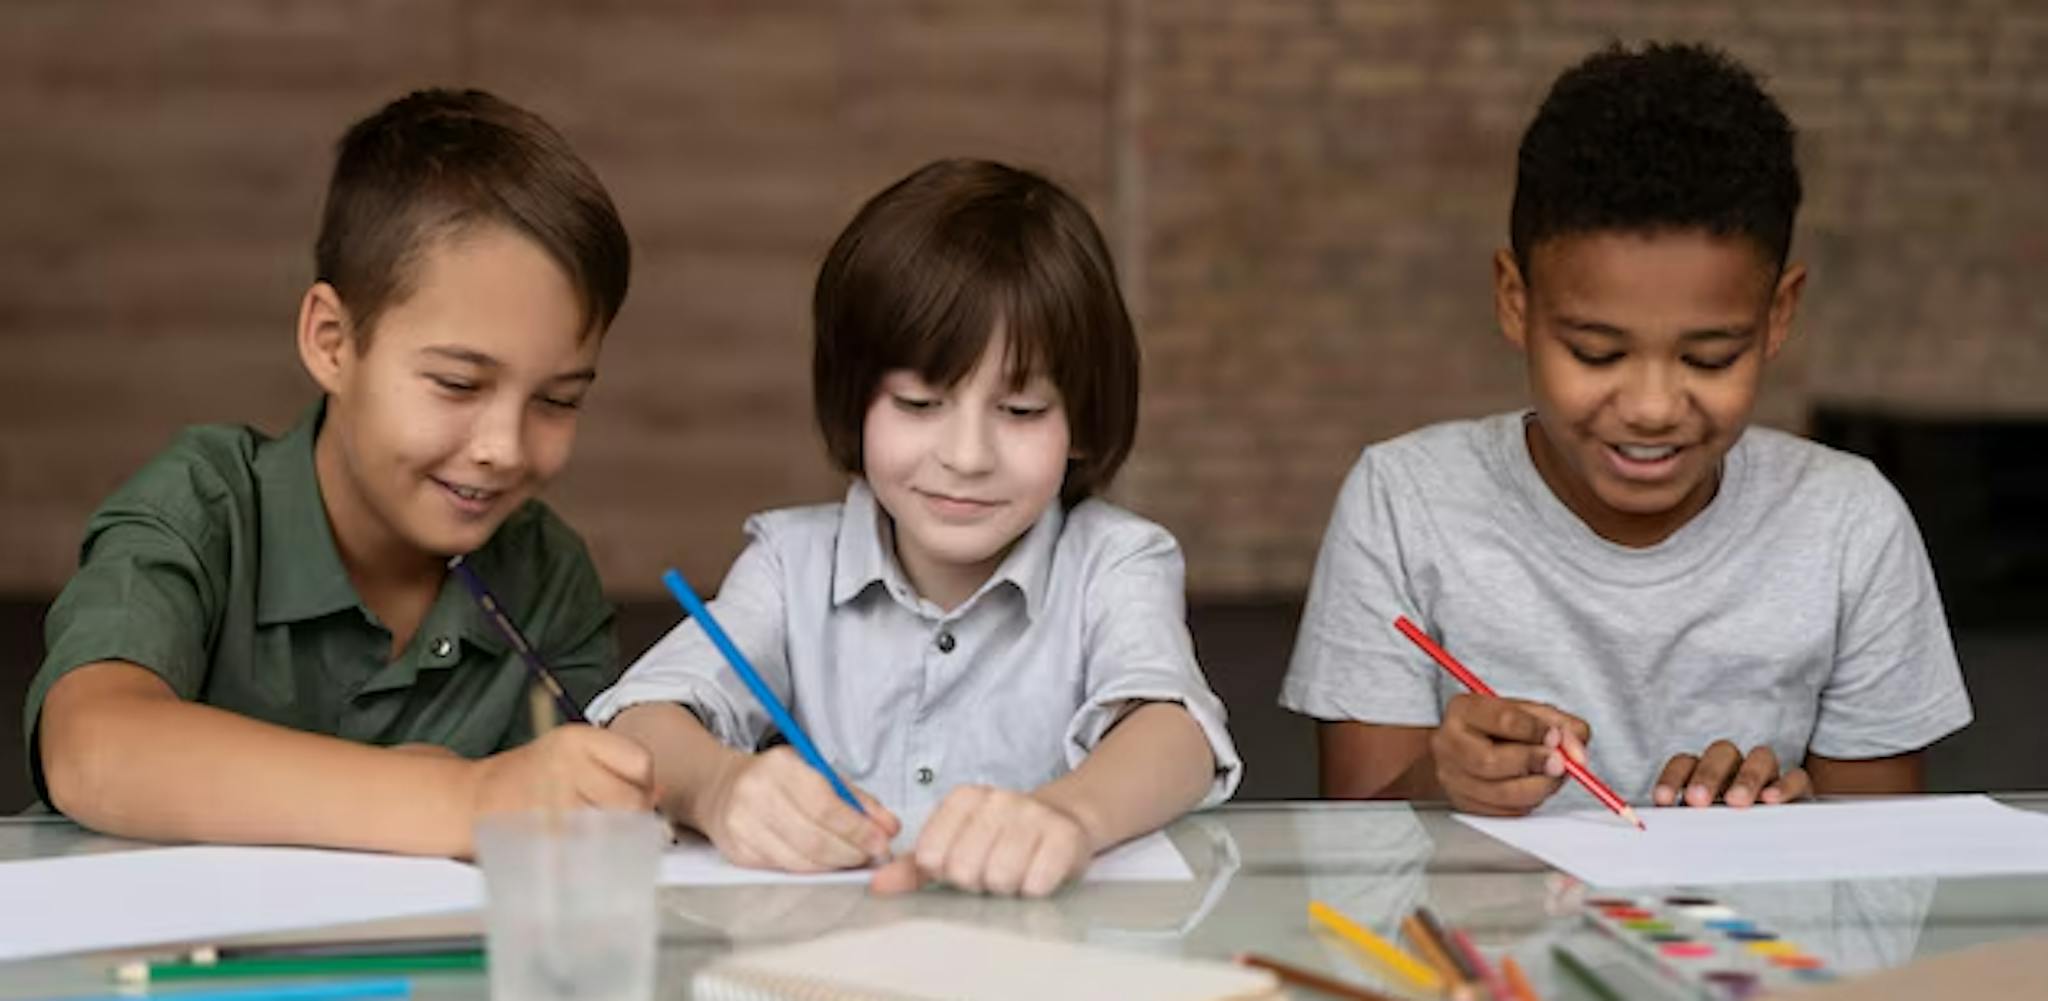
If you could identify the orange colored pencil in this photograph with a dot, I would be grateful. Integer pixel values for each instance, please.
(1517, 982)
(1471, 681)
(1434, 953)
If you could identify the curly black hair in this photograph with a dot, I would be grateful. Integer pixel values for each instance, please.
(1668, 136)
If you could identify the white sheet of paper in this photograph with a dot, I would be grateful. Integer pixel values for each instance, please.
(1152, 858)
(1867, 839)
(116, 900)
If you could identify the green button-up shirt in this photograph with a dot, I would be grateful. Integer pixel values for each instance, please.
(215, 568)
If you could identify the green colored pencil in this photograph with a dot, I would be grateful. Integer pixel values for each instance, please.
(1578, 969)
(144, 972)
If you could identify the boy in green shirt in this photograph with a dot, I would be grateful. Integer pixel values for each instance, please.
(263, 642)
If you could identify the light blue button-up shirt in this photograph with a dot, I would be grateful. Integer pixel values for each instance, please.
(1084, 618)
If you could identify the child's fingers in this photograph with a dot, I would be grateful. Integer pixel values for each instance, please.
(1551, 716)
(606, 789)
(1501, 719)
(879, 814)
(935, 842)
(1509, 798)
(1711, 775)
(1472, 753)
(829, 830)
(1758, 769)
(1061, 853)
(1793, 785)
(1009, 859)
(966, 864)
(767, 847)
(622, 755)
(1671, 781)
(900, 875)
(822, 845)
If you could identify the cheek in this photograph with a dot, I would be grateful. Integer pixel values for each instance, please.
(887, 442)
(1563, 386)
(550, 441)
(1040, 454)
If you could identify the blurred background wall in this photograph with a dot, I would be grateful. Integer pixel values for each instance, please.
(1303, 195)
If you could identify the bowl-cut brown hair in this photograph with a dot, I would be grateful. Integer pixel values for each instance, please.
(932, 267)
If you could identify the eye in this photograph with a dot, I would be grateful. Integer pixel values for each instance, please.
(1025, 411)
(912, 403)
(1713, 364)
(1594, 359)
(557, 403)
(452, 384)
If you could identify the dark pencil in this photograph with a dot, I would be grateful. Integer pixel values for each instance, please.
(1313, 981)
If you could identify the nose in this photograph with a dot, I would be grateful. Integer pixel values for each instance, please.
(966, 444)
(497, 439)
(1651, 397)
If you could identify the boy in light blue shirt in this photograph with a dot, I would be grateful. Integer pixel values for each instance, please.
(989, 655)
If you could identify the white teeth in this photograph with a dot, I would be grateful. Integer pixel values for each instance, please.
(1646, 453)
(466, 493)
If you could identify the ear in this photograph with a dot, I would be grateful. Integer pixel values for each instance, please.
(1510, 298)
(1784, 306)
(326, 343)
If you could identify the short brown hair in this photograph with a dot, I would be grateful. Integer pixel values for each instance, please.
(436, 162)
(927, 270)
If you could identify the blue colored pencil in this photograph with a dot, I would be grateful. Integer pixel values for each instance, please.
(784, 722)
(319, 990)
(495, 612)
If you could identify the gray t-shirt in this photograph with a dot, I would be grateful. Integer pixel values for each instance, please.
(1797, 609)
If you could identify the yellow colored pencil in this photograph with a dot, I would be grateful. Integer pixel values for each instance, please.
(1393, 956)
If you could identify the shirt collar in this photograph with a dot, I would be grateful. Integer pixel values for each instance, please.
(865, 555)
(302, 575)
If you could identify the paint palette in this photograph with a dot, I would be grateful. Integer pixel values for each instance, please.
(1706, 947)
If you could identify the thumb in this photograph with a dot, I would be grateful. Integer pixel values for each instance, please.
(900, 875)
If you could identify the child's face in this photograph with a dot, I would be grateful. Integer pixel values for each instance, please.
(462, 404)
(1645, 355)
(963, 471)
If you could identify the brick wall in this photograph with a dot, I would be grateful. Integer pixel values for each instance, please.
(1303, 195)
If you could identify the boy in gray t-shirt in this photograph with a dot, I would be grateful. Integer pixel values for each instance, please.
(1708, 612)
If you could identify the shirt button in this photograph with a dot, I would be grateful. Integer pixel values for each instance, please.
(946, 643)
(925, 776)
(443, 646)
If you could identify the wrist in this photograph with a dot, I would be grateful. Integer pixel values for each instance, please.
(1079, 810)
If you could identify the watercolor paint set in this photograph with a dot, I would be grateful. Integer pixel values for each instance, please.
(1705, 947)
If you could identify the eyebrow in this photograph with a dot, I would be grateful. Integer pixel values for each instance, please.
(470, 356)
(1704, 334)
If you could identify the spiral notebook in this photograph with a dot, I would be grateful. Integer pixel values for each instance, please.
(930, 960)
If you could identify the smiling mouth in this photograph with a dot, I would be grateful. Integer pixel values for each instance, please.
(1646, 453)
(471, 495)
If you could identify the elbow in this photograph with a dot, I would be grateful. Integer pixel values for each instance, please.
(72, 775)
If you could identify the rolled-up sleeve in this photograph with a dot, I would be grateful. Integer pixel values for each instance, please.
(1137, 649)
(684, 668)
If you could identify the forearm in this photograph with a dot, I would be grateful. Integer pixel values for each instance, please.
(688, 760)
(1901, 773)
(160, 768)
(1153, 766)
(1375, 761)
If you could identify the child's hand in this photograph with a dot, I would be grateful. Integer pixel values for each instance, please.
(567, 767)
(773, 811)
(1715, 775)
(988, 840)
(1503, 756)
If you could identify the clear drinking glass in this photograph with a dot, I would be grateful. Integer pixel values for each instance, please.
(572, 904)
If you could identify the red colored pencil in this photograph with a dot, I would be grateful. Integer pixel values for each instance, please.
(1488, 975)
(1471, 681)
